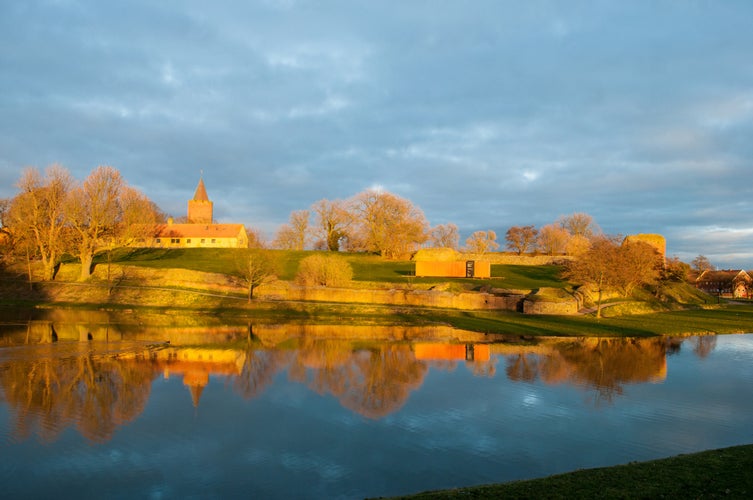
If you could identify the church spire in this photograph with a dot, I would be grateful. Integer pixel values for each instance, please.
(200, 208)
(201, 192)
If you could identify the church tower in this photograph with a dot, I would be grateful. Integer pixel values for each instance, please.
(200, 208)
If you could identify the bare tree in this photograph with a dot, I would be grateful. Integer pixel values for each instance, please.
(284, 238)
(332, 221)
(577, 245)
(639, 264)
(4, 209)
(701, 263)
(94, 213)
(6, 242)
(481, 242)
(552, 239)
(256, 267)
(521, 238)
(444, 236)
(294, 234)
(597, 267)
(255, 238)
(608, 265)
(37, 213)
(579, 224)
(386, 224)
(139, 217)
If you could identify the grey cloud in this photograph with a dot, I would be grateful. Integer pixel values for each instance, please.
(638, 113)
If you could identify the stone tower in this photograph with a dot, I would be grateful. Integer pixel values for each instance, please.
(200, 208)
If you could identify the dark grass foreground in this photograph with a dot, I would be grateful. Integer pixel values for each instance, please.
(725, 473)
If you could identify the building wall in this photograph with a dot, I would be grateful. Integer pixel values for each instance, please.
(200, 211)
(193, 243)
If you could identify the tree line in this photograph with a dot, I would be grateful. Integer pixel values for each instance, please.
(381, 222)
(54, 214)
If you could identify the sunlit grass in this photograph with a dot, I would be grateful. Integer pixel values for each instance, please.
(366, 267)
(728, 319)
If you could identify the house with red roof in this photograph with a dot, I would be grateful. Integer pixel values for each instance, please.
(199, 231)
(736, 283)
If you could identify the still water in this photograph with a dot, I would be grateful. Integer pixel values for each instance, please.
(103, 409)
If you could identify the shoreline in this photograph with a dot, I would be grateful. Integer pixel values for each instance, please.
(723, 472)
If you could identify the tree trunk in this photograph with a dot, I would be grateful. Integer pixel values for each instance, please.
(28, 266)
(598, 305)
(49, 270)
(86, 265)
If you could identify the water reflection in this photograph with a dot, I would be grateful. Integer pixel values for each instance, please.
(604, 365)
(97, 376)
(49, 390)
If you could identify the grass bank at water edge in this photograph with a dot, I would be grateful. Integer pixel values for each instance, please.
(724, 473)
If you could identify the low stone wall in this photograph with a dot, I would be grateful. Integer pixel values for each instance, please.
(495, 299)
(519, 260)
(553, 308)
(423, 298)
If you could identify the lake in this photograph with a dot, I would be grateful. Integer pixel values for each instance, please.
(192, 408)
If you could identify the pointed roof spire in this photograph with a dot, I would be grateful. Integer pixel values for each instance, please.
(201, 191)
(196, 391)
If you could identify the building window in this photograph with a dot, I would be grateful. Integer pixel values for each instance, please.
(175, 240)
(159, 240)
(188, 240)
(203, 240)
(214, 240)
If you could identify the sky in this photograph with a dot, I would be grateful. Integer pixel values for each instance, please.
(485, 114)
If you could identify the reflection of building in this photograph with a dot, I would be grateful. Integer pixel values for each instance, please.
(452, 352)
(196, 364)
(199, 231)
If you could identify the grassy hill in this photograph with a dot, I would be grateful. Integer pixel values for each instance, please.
(366, 268)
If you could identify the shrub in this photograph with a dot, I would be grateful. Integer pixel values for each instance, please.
(323, 270)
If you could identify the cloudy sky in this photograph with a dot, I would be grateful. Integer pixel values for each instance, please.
(486, 114)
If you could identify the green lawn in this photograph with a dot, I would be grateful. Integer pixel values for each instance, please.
(725, 319)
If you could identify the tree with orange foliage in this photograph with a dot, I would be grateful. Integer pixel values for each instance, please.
(386, 224)
(521, 238)
(444, 236)
(481, 242)
(596, 267)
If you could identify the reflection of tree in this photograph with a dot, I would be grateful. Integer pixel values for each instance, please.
(389, 374)
(96, 395)
(373, 382)
(483, 368)
(608, 364)
(703, 345)
(259, 369)
(602, 364)
(522, 367)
